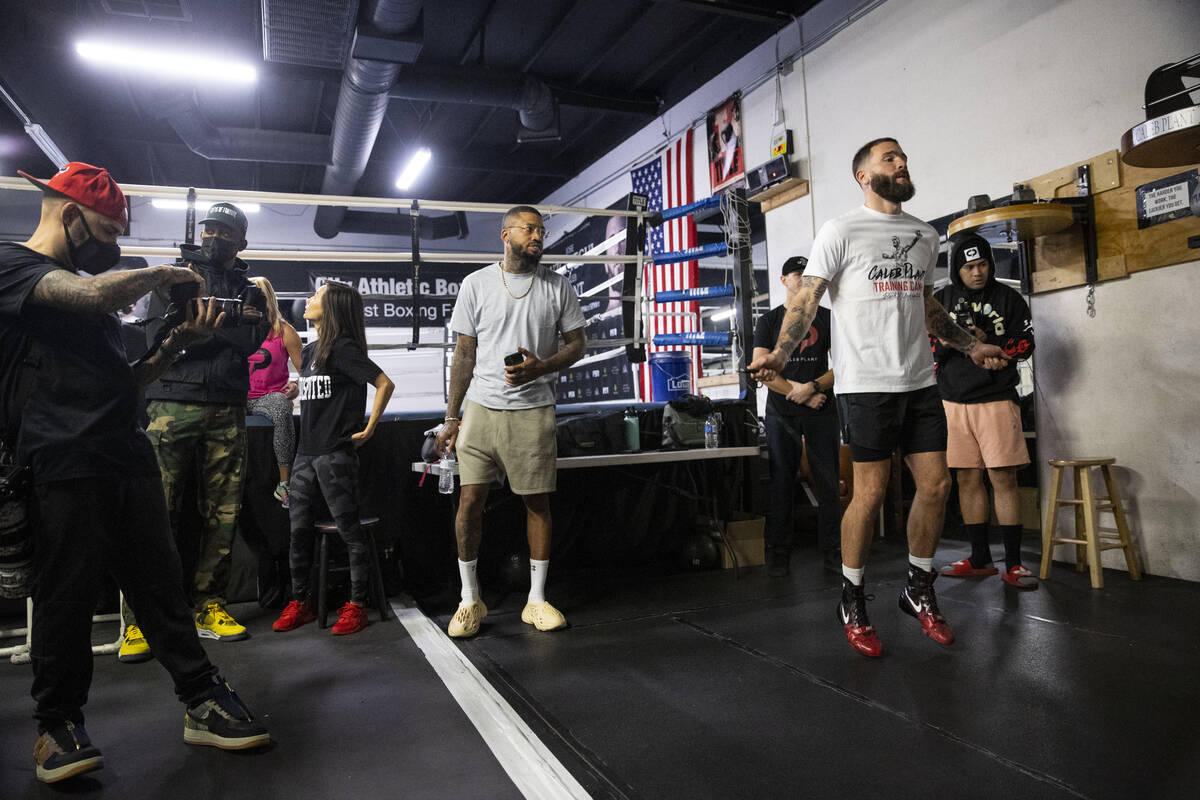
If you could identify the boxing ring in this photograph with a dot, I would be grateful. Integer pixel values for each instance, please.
(666, 320)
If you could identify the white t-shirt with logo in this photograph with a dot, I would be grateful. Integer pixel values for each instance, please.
(502, 323)
(878, 266)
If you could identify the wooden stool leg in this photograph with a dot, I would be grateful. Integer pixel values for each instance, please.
(1093, 535)
(322, 581)
(1079, 475)
(1118, 510)
(377, 579)
(1049, 528)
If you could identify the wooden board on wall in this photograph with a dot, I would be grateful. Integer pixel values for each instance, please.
(1121, 246)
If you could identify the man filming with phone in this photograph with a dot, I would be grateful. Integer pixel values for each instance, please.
(508, 317)
(197, 424)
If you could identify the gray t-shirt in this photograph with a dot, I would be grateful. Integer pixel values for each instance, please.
(502, 323)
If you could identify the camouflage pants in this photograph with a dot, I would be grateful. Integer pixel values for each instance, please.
(335, 475)
(205, 445)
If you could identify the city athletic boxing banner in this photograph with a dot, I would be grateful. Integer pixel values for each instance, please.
(388, 293)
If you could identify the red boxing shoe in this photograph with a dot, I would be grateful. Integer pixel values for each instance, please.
(1021, 577)
(918, 599)
(852, 612)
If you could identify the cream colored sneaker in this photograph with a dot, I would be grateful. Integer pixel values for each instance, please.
(465, 621)
(543, 616)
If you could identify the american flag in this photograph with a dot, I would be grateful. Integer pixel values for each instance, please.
(667, 182)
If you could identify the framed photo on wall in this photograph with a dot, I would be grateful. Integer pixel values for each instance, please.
(725, 162)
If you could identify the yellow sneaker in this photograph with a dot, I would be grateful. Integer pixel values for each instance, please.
(543, 616)
(214, 622)
(133, 646)
(465, 621)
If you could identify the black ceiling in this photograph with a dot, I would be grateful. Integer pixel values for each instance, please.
(611, 64)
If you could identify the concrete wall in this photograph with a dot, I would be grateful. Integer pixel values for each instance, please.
(982, 94)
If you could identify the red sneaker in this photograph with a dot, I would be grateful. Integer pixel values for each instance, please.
(293, 616)
(918, 599)
(852, 612)
(351, 619)
(963, 569)
(1021, 577)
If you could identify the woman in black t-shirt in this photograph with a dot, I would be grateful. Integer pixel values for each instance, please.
(334, 373)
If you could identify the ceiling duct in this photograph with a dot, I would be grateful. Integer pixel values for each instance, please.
(532, 99)
(362, 102)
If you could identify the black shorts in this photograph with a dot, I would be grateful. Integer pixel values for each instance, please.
(874, 424)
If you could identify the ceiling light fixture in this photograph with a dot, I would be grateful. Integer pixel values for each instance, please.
(165, 63)
(176, 204)
(413, 169)
(723, 315)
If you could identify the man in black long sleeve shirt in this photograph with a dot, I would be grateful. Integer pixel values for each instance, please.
(982, 415)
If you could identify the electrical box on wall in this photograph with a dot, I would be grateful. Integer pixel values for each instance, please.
(781, 142)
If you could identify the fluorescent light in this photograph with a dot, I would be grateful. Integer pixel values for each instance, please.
(723, 315)
(166, 63)
(46, 144)
(413, 168)
(175, 204)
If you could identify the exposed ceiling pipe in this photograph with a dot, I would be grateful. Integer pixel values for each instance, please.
(532, 99)
(362, 102)
(181, 111)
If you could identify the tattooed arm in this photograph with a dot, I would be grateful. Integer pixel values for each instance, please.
(939, 324)
(104, 293)
(461, 372)
(533, 367)
(202, 320)
(800, 314)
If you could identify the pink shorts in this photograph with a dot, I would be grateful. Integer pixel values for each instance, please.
(984, 435)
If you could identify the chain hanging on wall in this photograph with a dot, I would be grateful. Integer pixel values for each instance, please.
(1091, 301)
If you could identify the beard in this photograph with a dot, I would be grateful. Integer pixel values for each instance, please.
(887, 188)
(522, 258)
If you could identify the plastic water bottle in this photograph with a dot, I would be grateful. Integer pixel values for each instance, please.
(712, 431)
(446, 470)
(633, 431)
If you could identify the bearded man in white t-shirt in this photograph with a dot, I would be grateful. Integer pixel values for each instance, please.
(508, 317)
(877, 264)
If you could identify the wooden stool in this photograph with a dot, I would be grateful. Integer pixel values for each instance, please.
(1088, 541)
(325, 528)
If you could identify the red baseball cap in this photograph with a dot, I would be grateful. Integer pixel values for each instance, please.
(89, 186)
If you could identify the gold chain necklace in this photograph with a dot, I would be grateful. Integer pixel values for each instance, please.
(505, 282)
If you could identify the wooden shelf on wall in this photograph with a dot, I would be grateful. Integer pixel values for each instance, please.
(780, 194)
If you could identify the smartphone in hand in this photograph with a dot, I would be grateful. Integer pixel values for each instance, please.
(513, 359)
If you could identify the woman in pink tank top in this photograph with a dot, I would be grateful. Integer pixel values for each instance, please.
(271, 392)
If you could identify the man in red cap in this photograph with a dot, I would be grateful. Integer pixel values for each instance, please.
(69, 403)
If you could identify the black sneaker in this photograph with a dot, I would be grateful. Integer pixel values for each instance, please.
(778, 564)
(223, 721)
(852, 612)
(918, 599)
(64, 752)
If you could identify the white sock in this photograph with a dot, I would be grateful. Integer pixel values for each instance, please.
(924, 563)
(537, 580)
(854, 574)
(470, 583)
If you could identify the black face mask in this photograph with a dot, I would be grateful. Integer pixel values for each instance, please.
(219, 251)
(93, 256)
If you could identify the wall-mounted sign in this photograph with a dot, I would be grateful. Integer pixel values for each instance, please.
(1165, 199)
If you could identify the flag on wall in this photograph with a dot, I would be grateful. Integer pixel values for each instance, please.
(667, 182)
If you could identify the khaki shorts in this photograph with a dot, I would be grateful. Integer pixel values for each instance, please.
(984, 435)
(520, 444)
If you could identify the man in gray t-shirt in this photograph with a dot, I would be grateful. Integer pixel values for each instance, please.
(508, 318)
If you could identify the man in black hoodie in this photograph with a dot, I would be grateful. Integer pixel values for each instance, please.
(198, 428)
(982, 415)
